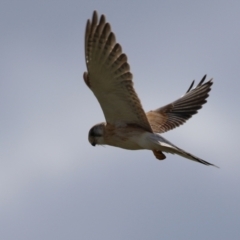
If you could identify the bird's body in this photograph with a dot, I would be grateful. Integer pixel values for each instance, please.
(128, 137)
(127, 125)
(132, 137)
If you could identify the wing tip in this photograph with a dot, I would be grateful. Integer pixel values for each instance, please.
(201, 83)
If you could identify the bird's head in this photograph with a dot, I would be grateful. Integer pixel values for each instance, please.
(95, 135)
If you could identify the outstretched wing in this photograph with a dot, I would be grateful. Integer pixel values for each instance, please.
(178, 112)
(109, 76)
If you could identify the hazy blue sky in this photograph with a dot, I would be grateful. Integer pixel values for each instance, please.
(55, 185)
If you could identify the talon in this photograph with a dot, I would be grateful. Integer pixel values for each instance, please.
(159, 155)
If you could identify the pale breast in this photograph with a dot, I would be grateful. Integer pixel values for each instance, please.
(123, 137)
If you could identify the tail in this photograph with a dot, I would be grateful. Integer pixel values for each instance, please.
(166, 146)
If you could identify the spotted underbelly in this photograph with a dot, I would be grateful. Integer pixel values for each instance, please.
(124, 142)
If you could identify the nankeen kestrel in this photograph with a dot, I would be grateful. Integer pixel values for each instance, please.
(127, 125)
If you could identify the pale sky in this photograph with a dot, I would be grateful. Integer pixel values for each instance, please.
(55, 185)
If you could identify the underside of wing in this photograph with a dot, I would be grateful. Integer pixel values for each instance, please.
(178, 112)
(109, 76)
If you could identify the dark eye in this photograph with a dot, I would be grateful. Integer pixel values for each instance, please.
(91, 132)
(94, 132)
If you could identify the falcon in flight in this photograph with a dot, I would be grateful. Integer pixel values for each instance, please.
(127, 125)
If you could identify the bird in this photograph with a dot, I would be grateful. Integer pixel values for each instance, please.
(127, 126)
